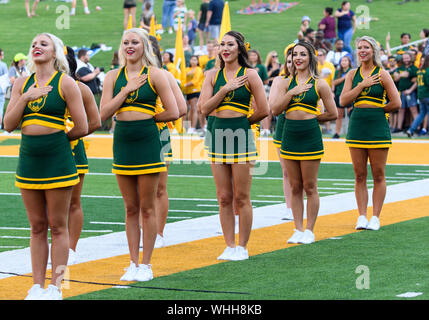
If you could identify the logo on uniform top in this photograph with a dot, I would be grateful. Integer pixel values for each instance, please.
(229, 96)
(38, 104)
(299, 97)
(132, 96)
(365, 91)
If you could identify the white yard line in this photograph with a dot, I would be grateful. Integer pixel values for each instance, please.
(115, 244)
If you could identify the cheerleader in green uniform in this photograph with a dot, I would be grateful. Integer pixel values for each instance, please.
(368, 135)
(75, 221)
(228, 91)
(302, 145)
(162, 202)
(131, 93)
(277, 138)
(46, 169)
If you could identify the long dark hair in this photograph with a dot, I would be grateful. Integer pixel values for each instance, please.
(243, 57)
(425, 63)
(285, 69)
(71, 60)
(156, 50)
(312, 65)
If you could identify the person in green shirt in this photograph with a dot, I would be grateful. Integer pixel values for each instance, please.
(406, 75)
(256, 63)
(423, 95)
(338, 83)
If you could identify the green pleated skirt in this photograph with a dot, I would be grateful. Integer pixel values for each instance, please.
(368, 128)
(46, 162)
(80, 157)
(278, 134)
(302, 140)
(232, 141)
(137, 148)
(209, 134)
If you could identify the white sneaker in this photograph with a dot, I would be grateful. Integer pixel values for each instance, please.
(52, 293)
(374, 224)
(35, 293)
(241, 253)
(131, 273)
(362, 223)
(296, 237)
(307, 237)
(288, 214)
(159, 242)
(228, 254)
(86, 10)
(72, 257)
(144, 273)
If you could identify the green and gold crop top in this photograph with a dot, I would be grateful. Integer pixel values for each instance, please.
(141, 100)
(49, 110)
(238, 100)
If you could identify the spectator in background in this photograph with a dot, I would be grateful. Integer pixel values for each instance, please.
(86, 72)
(3, 72)
(18, 68)
(214, 18)
(305, 24)
(85, 7)
(406, 75)
(320, 42)
(208, 61)
(203, 30)
(180, 12)
(273, 66)
(146, 16)
(338, 84)
(130, 10)
(144, 5)
(335, 56)
(424, 34)
(31, 13)
(187, 50)
(327, 25)
(167, 15)
(256, 63)
(192, 26)
(273, 70)
(405, 39)
(423, 96)
(192, 89)
(346, 24)
(310, 36)
(326, 72)
(326, 69)
(167, 64)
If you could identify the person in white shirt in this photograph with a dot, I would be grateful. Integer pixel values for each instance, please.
(334, 56)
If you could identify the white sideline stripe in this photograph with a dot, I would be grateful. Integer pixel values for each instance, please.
(11, 247)
(412, 174)
(115, 244)
(207, 205)
(193, 211)
(110, 223)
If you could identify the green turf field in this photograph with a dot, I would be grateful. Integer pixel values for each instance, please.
(191, 191)
(395, 259)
